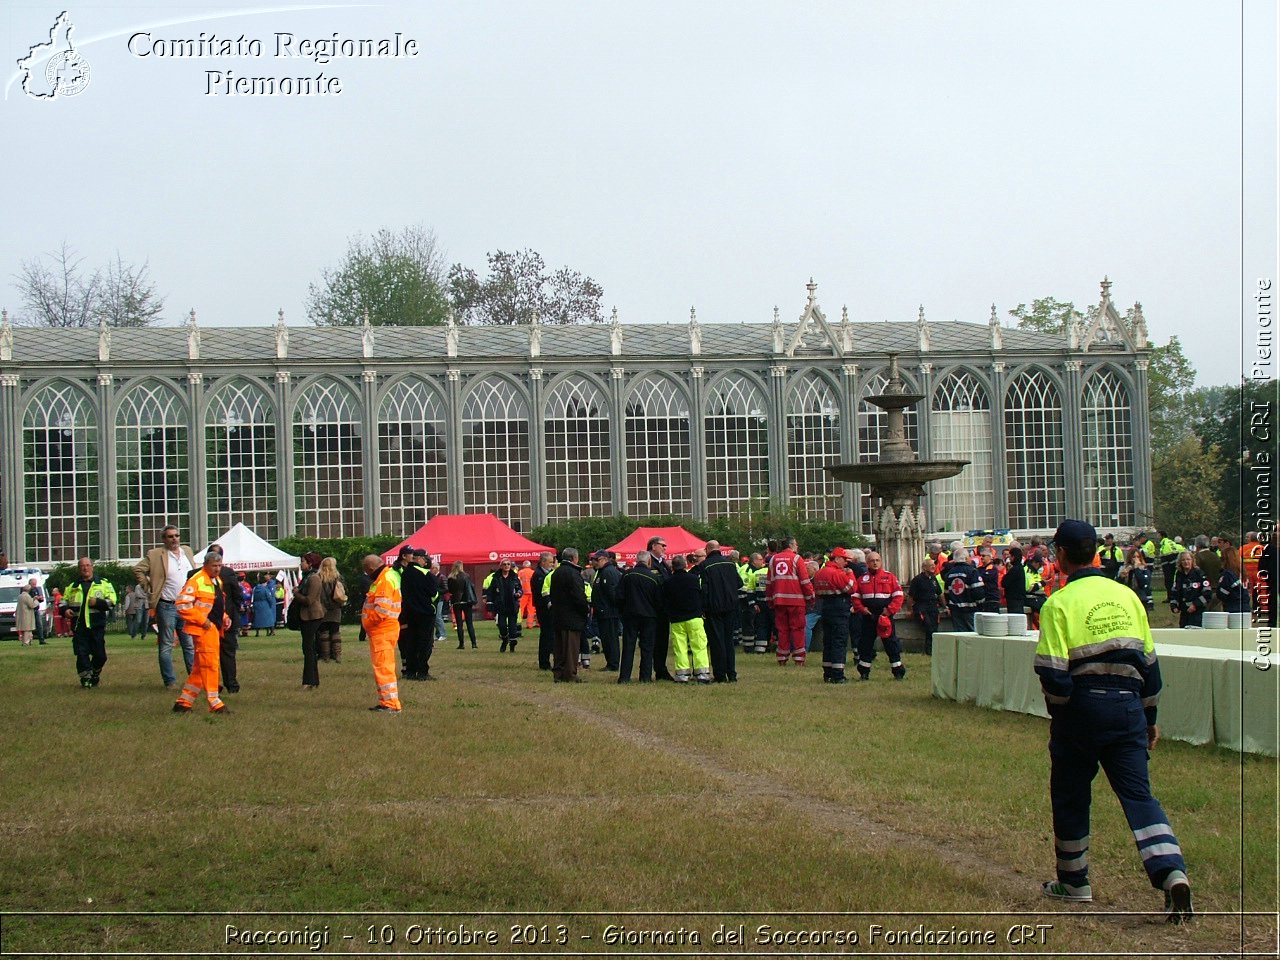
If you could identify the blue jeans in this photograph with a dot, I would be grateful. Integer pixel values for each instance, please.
(442, 632)
(811, 618)
(167, 621)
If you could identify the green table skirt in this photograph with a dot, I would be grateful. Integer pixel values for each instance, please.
(1219, 687)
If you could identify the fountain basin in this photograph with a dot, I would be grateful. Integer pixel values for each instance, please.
(884, 474)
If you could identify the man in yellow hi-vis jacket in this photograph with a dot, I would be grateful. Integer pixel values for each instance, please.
(202, 610)
(86, 604)
(381, 621)
(1101, 680)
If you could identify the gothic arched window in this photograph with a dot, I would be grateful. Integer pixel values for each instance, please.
(960, 429)
(152, 468)
(1107, 448)
(813, 443)
(328, 463)
(60, 475)
(1033, 452)
(240, 460)
(737, 454)
(495, 452)
(657, 437)
(579, 475)
(412, 465)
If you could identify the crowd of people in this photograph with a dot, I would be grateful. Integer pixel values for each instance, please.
(1100, 677)
(682, 618)
(1210, 574)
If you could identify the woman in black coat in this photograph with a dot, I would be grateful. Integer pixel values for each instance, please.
(463, 594)
(1015, 583)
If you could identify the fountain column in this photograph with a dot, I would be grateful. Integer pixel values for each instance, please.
(898, 480)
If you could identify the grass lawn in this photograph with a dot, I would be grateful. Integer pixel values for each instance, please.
(497, 794)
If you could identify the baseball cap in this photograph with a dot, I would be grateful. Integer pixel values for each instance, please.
(406, 551)
(840, 553)
(419, 551)
(1074, 533)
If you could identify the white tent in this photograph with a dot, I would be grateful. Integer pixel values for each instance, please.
(242, 549)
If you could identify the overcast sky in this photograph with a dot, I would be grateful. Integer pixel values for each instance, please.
(708, 154)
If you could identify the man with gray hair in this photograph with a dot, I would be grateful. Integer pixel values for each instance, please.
(569, 609)
(962, 584)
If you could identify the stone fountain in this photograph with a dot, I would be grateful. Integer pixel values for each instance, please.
(898, 479)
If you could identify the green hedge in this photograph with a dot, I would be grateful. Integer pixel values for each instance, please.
(119, 574)
(349, 552)
(747, 531)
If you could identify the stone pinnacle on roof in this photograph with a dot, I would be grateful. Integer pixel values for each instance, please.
(450, 333)
(535, 336)
(282, 336)
(6, 337)
(695, 333)
(104, 339)
(813, 289)
(366, 337)
(922, 331)
(193, 336)
(997, 333)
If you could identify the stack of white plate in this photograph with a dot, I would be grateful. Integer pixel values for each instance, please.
(1238, 621)
(991, 625)
(1214, 620)
(1017, 624)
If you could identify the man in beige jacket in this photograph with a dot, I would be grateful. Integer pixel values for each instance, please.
(164, 571)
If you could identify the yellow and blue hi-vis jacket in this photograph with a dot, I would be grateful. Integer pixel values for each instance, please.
(1094, 631)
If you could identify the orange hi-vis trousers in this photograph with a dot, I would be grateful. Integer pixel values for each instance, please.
(204, 671)
(382, 651)
(528, 613)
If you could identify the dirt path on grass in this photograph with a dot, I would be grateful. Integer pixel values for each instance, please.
(1012, 889)
(871, 831)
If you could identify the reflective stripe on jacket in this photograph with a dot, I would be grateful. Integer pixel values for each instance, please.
(1095, 631)
(195, 602)
(383, 602)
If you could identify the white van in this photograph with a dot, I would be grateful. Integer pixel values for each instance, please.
(11, 582)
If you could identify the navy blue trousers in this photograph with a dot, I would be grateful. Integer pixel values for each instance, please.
(835, 635)
(1105, 728)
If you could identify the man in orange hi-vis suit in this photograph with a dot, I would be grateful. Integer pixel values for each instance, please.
(1250, 553)
(381, 621)
(203, 613)
(527, 611)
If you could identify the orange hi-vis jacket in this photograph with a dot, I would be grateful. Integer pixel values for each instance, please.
(1250, 553)
(381, 619)
(382, 602)
(195, 606)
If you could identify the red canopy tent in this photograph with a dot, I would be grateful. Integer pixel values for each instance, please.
(679, 540)
(473, 538)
